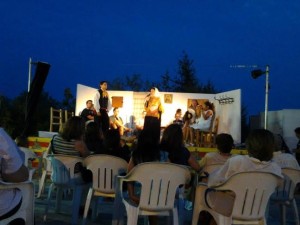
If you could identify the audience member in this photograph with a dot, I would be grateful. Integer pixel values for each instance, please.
(89, 113)
(115, 146)
(70, 140)
(146, 150)
(172, 143)
(224, 144)
(154, 109)
(284, 160)
(93, 138)
(260, 145)
(297, 150)
(116, 122)
(12, 170)
(102, 105)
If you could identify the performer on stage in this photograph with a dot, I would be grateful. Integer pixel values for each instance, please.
(102, 105)
(153, 109)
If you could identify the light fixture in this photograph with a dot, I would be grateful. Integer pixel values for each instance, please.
(255, 74)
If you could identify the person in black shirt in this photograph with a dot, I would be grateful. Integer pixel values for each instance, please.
(89, 112)
(102, 105)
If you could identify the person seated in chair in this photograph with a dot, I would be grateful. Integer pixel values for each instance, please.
(204, 121)
(12, 170)
(284, 160)
(260, 145)
(224, 145)
(89, 113)
(116, 122)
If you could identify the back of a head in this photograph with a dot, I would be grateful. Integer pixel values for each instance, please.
(74, 128)
(146, 149)
(92, 131)
(224, 142)
(22, 141)
(172, 138)
(112, 139)
(260, 144)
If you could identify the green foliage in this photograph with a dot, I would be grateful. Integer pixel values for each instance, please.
(186, 80)
(69, 101)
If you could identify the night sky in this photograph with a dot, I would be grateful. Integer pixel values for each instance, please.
(93, 40)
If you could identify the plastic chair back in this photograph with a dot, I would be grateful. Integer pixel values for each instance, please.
(63, 168)
(285, 193)
(252, 192)
(26, 210)
(105, 169)
(63, 177)
(160, 184)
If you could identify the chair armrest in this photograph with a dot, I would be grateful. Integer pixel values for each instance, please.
(10, 185)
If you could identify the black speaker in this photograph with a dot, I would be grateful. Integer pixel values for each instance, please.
(257, 73)
(35, 91)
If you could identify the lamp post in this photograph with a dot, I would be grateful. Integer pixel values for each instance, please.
(255, 74)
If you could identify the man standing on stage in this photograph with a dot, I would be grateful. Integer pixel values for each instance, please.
(102, 106)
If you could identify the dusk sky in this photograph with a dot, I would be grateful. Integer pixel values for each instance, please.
(93, 40)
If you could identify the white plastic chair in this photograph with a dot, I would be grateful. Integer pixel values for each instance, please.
(105, 169)
(46, 170)
(26, 210)
(285, 193)
(29, 155)
(63, 177)
(159, 186)
(252, 191)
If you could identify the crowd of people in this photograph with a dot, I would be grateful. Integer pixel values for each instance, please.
(94, 132)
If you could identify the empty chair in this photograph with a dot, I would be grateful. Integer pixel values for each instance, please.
(160, 184)
(252, 191)
(285, 193)
(67, 115)
(64, 177)
(105, 169)
(26, 210)
(208, 138)
(56, 119)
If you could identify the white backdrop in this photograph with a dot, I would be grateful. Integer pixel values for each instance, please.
(229, 114)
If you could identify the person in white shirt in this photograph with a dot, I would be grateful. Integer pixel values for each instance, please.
(284, 160)
(260, 145)
(224, 144)
(12, 170)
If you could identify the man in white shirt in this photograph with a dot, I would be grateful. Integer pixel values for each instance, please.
(11, 170)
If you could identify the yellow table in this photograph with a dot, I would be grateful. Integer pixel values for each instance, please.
(199, 152)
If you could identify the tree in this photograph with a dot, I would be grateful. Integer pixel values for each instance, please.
(166, 82)
(69, 101)
(134, 82)
(186, 80)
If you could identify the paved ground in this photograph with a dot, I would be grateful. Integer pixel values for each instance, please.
(105, 218)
